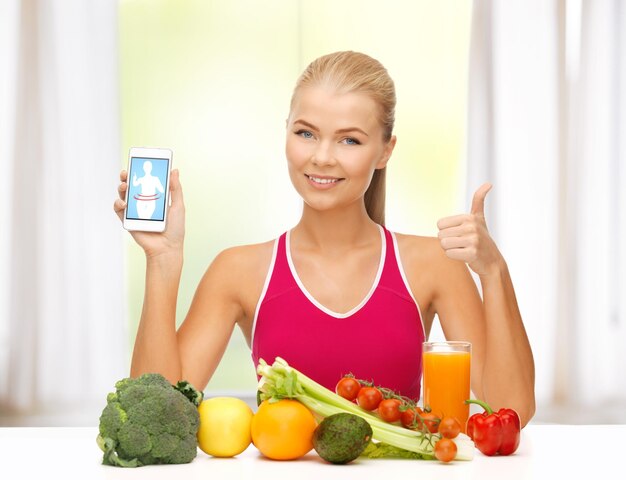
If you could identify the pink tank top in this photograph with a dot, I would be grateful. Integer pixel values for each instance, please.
(379, 340)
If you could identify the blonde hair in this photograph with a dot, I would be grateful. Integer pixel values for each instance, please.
(347, 72)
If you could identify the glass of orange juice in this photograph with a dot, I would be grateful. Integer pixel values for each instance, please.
(447, 379)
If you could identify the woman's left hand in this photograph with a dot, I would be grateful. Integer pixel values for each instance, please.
(466, 238)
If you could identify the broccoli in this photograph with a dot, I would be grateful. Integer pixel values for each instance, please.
(148, 421)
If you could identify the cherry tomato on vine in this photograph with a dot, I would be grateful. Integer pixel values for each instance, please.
(449, 427)
(410, 418)
(389, 409)
(431, 421)
(445, 450)
(348, 388)
(369, 398)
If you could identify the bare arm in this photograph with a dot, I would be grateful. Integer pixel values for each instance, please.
(214, 312)
(505, 370)
(502, 361)
(156, 348)
(226, 295)
(157, 344)
(445, 287)
(509, 372)
(194, 351)
(159, 185)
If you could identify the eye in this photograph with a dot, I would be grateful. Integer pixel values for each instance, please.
(304, 134)
(351, 141)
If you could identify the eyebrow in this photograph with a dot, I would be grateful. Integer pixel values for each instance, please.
(341, 130)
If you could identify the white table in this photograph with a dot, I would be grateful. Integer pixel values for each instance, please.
(546, 451)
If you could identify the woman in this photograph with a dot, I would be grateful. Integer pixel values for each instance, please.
(339, 292)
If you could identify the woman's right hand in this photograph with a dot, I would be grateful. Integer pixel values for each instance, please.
(158, 243)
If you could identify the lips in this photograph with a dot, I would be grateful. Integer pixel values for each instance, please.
(322, 179)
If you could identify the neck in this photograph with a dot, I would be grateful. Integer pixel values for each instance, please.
(335, 229)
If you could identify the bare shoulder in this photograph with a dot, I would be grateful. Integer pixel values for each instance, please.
(413, 242)
(243, 265)
(239, 273)
(425, 255)
(419, 250)
(440, 284)
(244, 257)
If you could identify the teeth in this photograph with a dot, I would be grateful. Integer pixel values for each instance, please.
(324, 180)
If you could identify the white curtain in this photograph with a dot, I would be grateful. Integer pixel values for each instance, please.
(596, 168)
(62, 319)
(546, 125)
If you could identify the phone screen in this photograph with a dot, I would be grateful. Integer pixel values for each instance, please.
(147, 183)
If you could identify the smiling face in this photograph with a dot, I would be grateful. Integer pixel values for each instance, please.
(335, 142)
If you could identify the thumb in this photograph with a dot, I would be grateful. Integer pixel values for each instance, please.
(175, 187)
(478, 202)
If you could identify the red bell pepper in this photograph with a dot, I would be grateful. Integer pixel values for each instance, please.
(494, 433)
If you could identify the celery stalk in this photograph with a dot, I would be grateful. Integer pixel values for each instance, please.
(283, 381)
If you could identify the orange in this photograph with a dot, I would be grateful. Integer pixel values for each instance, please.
(283, 430)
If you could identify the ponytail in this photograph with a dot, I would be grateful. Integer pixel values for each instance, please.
(375, 197)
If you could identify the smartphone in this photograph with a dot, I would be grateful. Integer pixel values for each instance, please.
(148, 192)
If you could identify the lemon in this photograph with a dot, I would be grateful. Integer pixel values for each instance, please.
(224, 426)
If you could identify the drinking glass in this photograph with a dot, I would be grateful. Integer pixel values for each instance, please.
(447, 379)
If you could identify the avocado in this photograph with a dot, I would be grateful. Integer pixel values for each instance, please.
(342, 437)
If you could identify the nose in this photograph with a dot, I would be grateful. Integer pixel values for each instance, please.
(324, 155)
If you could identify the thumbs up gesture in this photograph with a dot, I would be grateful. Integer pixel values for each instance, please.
(466, 238)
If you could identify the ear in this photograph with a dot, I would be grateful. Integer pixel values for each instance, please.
(388, 150)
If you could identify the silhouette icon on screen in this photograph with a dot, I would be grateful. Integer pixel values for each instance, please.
(150, 188)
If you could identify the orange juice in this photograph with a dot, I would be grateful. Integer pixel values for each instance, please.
(447, 379)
